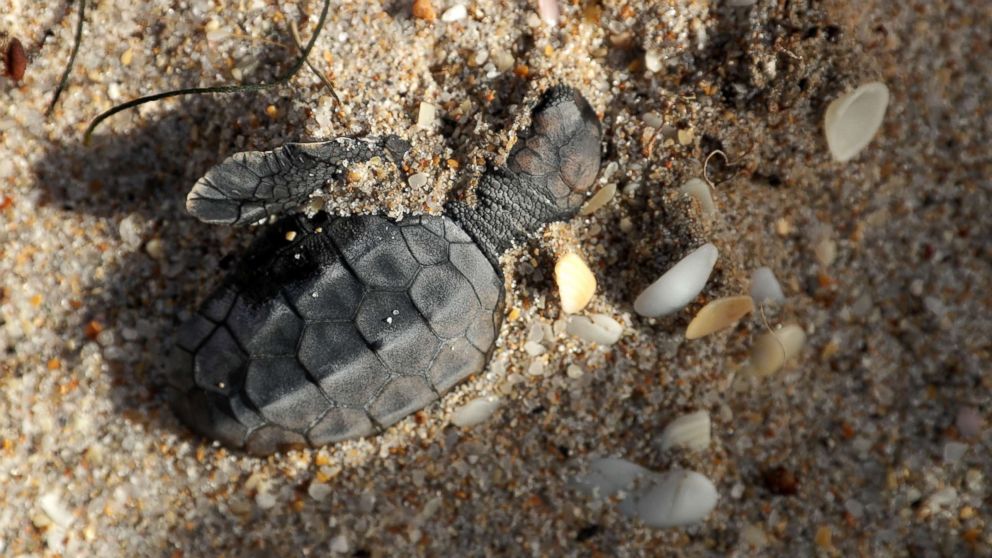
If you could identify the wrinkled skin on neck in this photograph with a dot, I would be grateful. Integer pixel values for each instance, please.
(545, 177)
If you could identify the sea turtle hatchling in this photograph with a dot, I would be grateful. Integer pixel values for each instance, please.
(332, 328)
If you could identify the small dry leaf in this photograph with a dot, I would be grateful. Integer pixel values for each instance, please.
(576, 283)
(719, 314)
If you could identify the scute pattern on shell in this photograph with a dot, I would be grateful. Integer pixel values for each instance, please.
(336, 334)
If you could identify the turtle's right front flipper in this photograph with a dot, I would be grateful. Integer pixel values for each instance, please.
(253, 185)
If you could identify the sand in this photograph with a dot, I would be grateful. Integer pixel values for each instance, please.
(855, 448)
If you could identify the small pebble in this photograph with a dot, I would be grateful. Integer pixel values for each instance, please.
(422, 9)
(425, 116)
(536, 368)
(319, 491)
(418, 180)
(969, 422)
(454, 13)
(652, 60)
(534, 349)
(954, 451)
(574, 371)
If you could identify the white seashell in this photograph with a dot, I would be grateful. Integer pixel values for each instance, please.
(690, 431)
(659, 500)
(425, 116)
(772, 350)
(679, 285)
(475, 412)
(596, 328)
(454, 13)
(676, 498)
(719, 314)
(699, 189)
(576, 283)
(765, 287)
(601, 198)
(852, 120)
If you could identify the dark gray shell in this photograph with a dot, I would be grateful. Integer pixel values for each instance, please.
(339, 332)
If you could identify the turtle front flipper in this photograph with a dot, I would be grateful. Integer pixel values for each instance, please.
(253, 185)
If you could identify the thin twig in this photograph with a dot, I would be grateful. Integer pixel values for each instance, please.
(323, 78)
(221, 89)
(706, 164)
(72, 58)
(761, 310)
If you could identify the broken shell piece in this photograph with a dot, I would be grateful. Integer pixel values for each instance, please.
(576, 283)
(765, 287)
(700, 190)
(852, 120)
(679, 285)
(602, 197)
(719, 314)
(773, 349)
(690, 431)
(475, 412)
(597, 328)
(662, 500)
(677, 498)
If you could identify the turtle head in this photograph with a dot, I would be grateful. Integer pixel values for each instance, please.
(559, 153)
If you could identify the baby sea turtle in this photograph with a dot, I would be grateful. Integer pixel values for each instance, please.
(332, 328)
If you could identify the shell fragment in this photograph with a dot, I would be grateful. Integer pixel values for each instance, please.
(596, 328)
(576, 283)
(679, 285)
(719, 314)
(690, 431)
(661, 500)
(774, 349)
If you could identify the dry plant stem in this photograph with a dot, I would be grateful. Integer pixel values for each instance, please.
(72, 58)
(764, 319)
(327, 83)
(221, 89)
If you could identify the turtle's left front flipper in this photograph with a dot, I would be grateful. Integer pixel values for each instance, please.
(253, 185)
